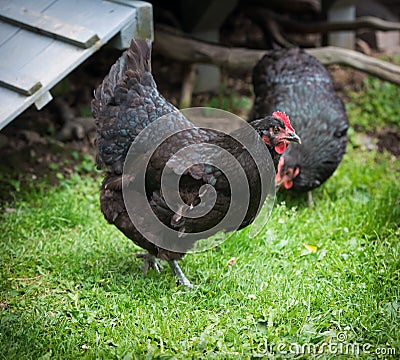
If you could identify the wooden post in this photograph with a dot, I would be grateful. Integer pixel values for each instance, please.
(342, 10)
(203, 19)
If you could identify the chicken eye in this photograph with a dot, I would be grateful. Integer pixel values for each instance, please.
(276, 129)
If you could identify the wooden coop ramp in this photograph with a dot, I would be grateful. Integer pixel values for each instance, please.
(42, 41)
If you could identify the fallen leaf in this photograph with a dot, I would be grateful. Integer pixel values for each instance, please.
(311, 248)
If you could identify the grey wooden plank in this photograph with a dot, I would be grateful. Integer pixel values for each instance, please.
(21, 83)
(43, 100)
(144, 17)
(7, 31)
(141, 27)
(23, 48)
(38, 5)
(50, 26)
(51, 63)
(26, 49)
(49, 60)
(102, 16)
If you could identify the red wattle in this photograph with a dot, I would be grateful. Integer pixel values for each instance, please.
(280, 148)
(288, 184)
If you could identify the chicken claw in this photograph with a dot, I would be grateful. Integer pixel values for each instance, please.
(150, 262)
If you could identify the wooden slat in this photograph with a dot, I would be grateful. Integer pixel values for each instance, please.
(47, 25)
(20, 83)
(43, 100)
(24, 51)
(140, 27)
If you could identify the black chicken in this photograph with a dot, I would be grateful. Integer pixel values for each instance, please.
(290, 80)
(125, 104)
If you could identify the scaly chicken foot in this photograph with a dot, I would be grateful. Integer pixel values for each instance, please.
(310, 200)
(182, 279)
(150, 262)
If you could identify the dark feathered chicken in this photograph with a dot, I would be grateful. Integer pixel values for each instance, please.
(290, 80)
(126, 103)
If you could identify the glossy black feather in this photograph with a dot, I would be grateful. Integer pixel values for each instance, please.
(292, 81)
(126, 103)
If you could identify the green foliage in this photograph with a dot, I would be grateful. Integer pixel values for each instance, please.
(12, 182)
(230, 101)
(70, 286)
(376, 105)
(394, 58)
(86, 165)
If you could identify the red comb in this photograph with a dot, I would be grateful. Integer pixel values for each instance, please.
(284, 118)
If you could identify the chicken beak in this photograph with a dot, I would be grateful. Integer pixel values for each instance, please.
(293, 137)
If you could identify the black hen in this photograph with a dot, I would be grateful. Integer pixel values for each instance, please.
(125, 105)
(290, 80)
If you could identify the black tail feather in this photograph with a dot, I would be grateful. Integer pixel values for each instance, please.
(133, 63)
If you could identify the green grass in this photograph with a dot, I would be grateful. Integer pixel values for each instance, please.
(70, 286)
(375, 105)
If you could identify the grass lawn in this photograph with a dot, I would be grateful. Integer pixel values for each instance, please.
(316, 281)
(71, 287)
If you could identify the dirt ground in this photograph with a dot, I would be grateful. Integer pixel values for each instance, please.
(36, 143)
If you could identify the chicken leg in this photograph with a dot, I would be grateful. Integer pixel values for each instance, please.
(150, 262)
(310, 200)
(182, 279)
